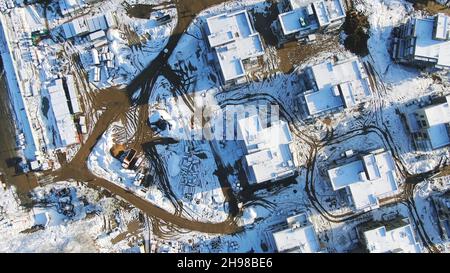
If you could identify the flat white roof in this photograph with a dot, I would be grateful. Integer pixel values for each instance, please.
(97, 23)
(438, 118)
(96, 35)
(73, 94)
(442, 27)
(367, 179)
(427, 46)
(323, 100)
(400, 239)
(439, 113)
(270, 164)
(75, 27)
(268, 153)
(439, 136)
(299, 237)
(297, 20)
(234, 40)
(321, 13)
(290, 21)
(341, 84)
(300, 16)
(335, 8)
(63, 118)
(83, 25)
(257, 136)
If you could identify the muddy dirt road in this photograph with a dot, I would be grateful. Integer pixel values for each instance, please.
(116, 103)
(8, 150)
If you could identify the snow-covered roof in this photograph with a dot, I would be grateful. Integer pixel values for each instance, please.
(299, 237)
(428, 45)
(438, 119)
(367, 179)
(270, 164)
(296, 4)
(442, 27)
(75, 27)
(97, 35)
(110, 21)
(439, 113)
(297, 20)
(299, 17)
(268, 153)
(439, 136)
(257, 136)
(68, 6)
(63, 118)
(35, 165)
(97, 23)
(335, 9)
(342, 84)
(400, 239)
(84, 25)
(234, 39)
(73, 94)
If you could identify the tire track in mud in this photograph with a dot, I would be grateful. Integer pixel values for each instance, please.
(311, 142)
(116, 104)
(163, 180)
(312, 195)
(407, 196)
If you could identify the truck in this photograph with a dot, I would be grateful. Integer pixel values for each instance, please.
(128, 159)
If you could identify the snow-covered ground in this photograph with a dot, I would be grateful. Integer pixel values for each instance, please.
(89, 229)
(398, 85)
(104, 165)
(134, 43)
(189, 165)
(32, 65)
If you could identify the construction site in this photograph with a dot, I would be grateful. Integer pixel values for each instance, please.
(104, 97)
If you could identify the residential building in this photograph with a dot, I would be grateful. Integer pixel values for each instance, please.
(366, 180)
(297, 236)
(335, 85)
(267, 153)
(394, 236)
(235, 44)
(304, 17)
(442, 205)
(423, 42)
(430, 125)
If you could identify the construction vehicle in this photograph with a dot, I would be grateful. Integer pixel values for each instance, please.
(129, 158)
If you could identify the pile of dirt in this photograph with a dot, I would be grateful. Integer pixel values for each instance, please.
(140, 11)
(356, 27)
(431, 6)
(117, 150)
